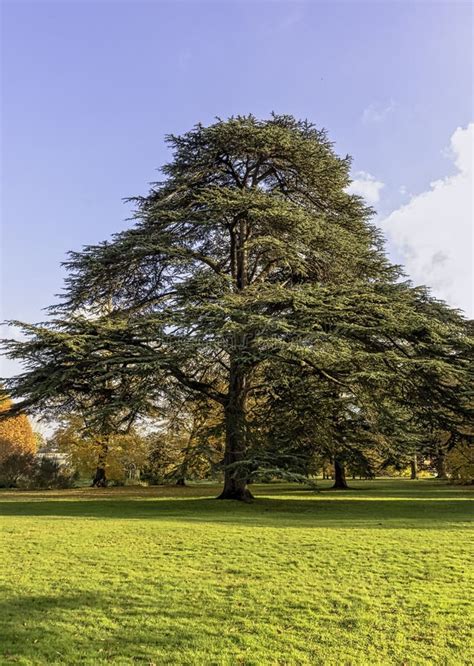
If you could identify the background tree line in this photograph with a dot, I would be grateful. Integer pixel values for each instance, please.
(187, 449)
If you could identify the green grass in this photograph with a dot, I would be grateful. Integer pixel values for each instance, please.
(376, 575)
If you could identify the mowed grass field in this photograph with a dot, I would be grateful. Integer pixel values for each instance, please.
(381, 574)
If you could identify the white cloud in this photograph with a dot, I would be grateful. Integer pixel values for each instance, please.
(366, 186)
(433, 232)
(376, 113)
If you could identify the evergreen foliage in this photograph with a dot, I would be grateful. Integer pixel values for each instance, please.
(252, 279)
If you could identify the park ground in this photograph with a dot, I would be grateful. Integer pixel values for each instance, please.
(380, 574)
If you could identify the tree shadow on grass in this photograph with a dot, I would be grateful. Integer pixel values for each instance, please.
(312, 511)
(89, 627)
(32, 623)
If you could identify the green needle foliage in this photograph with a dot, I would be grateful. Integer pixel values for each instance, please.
(248, 264)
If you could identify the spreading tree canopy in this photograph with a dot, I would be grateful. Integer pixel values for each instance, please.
(248, 261)
(81, 366)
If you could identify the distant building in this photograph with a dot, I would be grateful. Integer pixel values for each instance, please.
(51, 453)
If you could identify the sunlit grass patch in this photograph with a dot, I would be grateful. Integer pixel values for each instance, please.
(377, 575)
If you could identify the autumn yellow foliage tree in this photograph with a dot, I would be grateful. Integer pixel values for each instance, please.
(16, 434)
(460, 463)
(126, 453)
(190, 444)
(460, 458)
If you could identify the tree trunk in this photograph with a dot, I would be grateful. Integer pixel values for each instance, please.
(235, 478)
(181, 481)
(441, 468)
(339, 476)
(100, 478)
(414, 467)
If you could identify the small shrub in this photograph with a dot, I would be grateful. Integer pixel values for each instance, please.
(17, 469)
(25, 470)
(50, 474)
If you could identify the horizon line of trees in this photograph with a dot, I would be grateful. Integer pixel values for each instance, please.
(187, 447)
(68, 460)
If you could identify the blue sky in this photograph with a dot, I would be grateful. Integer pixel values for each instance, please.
(89, 89)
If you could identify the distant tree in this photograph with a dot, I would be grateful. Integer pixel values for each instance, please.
(460, 462)
(439, 391)
(47, 473)
(16, 434)
(189, 443)
(309, 420)
(127, 454)
(26, 470)
(17, 468)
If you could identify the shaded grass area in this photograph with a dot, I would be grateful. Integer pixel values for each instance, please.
(378, 575)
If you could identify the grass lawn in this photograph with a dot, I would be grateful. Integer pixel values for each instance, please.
(376, 575)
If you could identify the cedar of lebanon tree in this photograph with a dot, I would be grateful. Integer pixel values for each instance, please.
(253, 216)
(249, 256)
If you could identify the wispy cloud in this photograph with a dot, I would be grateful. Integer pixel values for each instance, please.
(366, 186)
(377, 112)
